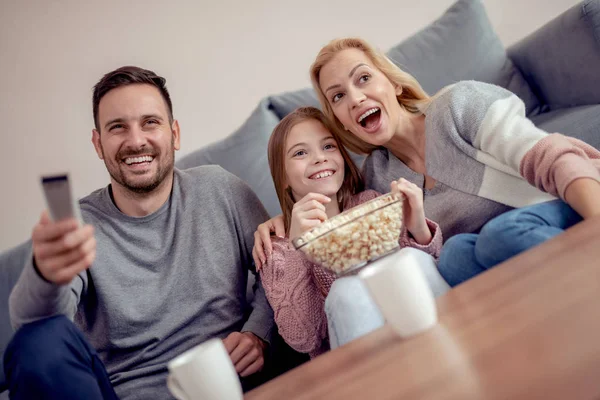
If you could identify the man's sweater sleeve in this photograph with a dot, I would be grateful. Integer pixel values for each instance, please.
(34, 298)
(248, 213)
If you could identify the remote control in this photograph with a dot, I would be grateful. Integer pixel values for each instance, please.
(59, 198)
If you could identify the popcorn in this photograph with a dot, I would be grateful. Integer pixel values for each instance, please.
(355, 236)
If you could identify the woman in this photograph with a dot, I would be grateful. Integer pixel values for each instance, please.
(469, 147)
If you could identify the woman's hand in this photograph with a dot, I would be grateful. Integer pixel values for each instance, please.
(413, 212)
(308, 213)
(262, 239)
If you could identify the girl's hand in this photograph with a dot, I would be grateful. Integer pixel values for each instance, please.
(308, 213)
(413, 212)
(262, 239)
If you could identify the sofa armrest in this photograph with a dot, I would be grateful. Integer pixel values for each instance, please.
(12, 263)
(561, 60)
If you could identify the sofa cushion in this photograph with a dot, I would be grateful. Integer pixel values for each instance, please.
(580, 122)
(561, 60)
(11, 264)
(244, 154)
(461, 45)
(285, 103)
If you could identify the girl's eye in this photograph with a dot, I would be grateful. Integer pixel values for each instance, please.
(329, 147)
(336, 97)
(299, 153)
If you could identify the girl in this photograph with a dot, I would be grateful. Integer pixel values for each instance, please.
(315, 179)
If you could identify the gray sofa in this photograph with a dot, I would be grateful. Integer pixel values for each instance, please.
(555, 70)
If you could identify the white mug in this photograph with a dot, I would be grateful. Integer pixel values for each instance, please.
(400, 290)
(204, 372)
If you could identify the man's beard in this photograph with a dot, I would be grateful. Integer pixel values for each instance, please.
(128, 181)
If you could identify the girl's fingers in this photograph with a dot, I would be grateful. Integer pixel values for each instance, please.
(313, 214)
(313, 200)
(279, 226)
(309, 224)
(309, 205)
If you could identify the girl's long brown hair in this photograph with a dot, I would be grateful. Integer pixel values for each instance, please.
(353, 181)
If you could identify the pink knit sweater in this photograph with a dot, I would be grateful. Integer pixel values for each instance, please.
(296, 288)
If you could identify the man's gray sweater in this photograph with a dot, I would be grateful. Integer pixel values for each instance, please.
(160, 284)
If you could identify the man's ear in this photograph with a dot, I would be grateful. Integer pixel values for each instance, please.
(97, 143)
(176, 134)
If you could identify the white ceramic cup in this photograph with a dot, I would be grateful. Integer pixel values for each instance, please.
(400, 290)
(204, 372)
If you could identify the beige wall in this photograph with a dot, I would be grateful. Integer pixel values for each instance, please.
(219, 58)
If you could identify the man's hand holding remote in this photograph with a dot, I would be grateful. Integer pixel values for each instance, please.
(62, 249)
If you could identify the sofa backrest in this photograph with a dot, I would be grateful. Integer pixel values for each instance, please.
(561, 60)
(459, 45)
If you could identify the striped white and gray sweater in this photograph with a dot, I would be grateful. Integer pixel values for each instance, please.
(479, 141)
(483, 151)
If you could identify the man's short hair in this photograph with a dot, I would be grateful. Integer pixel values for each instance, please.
(129, 75)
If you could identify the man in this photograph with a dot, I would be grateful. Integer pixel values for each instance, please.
(159, 266)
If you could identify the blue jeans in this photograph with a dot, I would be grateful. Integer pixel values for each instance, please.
(51, 359)
(466, 255)
(352, 313)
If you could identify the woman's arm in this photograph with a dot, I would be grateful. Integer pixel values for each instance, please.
(297, 302)
(492, 122)
(262, 239)
(584, 196)
(568, 168)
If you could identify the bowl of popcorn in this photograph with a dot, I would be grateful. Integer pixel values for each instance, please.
(351, 239)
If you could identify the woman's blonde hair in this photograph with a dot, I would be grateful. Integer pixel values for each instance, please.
(353, 182)
(412, 97)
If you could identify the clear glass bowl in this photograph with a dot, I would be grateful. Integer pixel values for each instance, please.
(356, 236)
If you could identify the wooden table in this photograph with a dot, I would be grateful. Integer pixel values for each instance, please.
(527, 329)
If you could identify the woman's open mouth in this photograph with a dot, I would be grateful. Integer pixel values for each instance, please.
(370, 120)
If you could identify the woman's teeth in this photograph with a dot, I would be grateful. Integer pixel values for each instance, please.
(366, 114)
